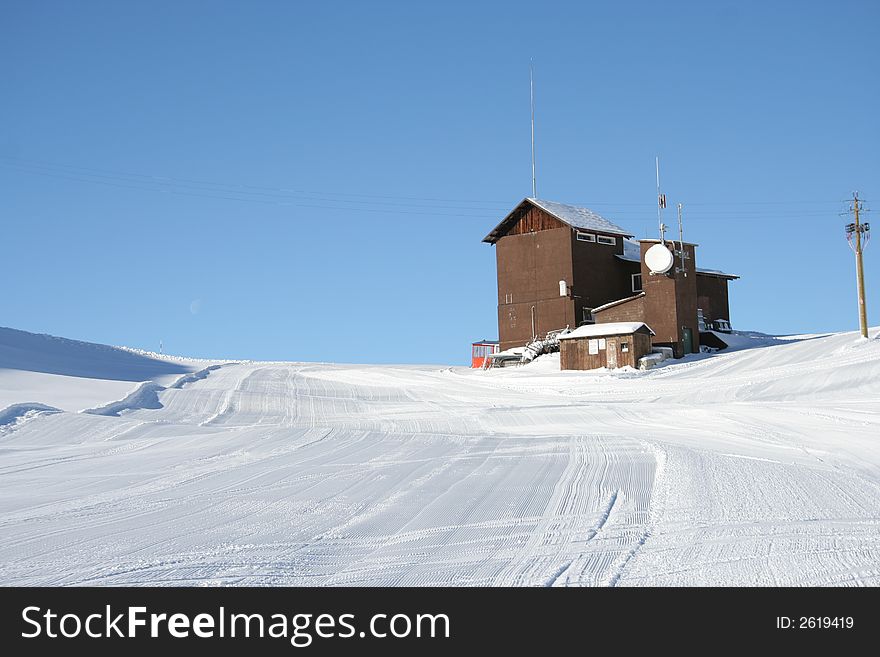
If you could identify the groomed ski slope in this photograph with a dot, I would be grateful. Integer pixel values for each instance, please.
(755, 467)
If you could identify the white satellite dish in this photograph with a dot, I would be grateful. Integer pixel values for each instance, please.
(659, 259)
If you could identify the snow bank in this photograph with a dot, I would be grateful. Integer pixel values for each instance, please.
(650, 360)
(16, 413)
(195, 376)
(146, 395)
(736, 340)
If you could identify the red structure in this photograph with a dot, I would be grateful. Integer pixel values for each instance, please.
(480, 352)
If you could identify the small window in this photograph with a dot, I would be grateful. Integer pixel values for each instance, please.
(587, 316)
(602, 239)
(636, 282)
(624, 347)
(586, 237)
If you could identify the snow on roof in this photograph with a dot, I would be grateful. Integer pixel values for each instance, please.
(577, 217)
(631, 251)
(611, 304)
(715, 272)
(600, 330)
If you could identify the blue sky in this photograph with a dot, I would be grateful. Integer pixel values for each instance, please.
(311, 181)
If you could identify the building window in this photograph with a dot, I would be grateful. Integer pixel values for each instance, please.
(585, 237)
(602, 239)
(587, 316)
(624, 347)
(636, 282)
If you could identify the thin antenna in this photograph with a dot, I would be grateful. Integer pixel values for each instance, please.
(532, 98)
(661, 203)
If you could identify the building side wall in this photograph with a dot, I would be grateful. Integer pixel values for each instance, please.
(598, 276)
(530, 266)
(629, 311)
(642, 347)
(670, 301)
(712, 298)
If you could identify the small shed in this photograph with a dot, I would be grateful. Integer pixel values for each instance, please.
(480, 352)
(611, 345)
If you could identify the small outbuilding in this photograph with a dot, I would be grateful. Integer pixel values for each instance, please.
(611, 345)
(481, 352)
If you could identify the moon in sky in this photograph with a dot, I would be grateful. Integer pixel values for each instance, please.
(195, 306)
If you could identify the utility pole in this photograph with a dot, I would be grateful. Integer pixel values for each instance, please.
(858, 229)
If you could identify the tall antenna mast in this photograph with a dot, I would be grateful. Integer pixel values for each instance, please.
(661, 203)
(532, 98)
(680, 231)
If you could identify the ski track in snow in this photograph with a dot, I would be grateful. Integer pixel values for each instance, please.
(758, 467)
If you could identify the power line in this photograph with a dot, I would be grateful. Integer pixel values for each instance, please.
(257, 200)
(241, 187)
(284, 197)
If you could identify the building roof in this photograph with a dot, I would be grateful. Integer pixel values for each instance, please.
(586, 219)
(632, 252)
(576, 217)
(716, 272)
(603, 330)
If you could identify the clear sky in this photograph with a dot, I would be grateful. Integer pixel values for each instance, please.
(311, 180)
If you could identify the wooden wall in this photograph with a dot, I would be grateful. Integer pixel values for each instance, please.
(712, 297)
(575, 353)
(534, 220)
(671, 301)
(530, 266)
(628, 311)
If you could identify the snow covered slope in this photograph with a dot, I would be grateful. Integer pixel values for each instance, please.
(46, 369)
(755, 467)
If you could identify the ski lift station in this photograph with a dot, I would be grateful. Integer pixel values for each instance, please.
(563, 268)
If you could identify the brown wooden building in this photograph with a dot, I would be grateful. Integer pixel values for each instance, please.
(565, 266)
(612, 345)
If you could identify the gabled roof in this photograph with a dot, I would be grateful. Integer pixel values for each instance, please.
(576, 217)
(603, 330)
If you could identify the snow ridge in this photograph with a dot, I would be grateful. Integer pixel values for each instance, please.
(15, 414)
(145, 395)
(193, 377)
